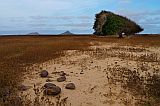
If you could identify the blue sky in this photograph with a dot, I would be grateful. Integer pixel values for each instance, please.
(77, 16)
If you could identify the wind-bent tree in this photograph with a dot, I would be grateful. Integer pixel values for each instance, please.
(108, 23)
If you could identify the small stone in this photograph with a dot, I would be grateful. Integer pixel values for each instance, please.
(54, 90)
(44, 73)
(48, 80)
(54, 72)
(81, 72)
(49, 85)
(70, 86)
(62, 73)
(61, 79)
(23, 88)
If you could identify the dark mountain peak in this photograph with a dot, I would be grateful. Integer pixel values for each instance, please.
(67, 33)
(33, 33)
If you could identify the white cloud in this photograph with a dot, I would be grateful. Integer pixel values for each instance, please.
(29, 14)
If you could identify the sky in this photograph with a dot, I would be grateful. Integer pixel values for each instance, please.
(77, 16)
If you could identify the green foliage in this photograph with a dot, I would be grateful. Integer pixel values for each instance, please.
(113, 25)
(108, 23)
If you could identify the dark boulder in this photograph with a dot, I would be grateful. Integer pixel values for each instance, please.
(53, 91)
(70, 86)
(23, 88)
(44, 73)
(49, 85)
(61, 79)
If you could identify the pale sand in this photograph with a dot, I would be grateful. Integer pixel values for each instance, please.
(92, 87)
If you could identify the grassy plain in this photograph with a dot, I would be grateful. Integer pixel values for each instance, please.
(19, 52)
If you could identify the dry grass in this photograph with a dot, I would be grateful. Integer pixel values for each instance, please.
(144, 88)
(19, 52)
(125, 53)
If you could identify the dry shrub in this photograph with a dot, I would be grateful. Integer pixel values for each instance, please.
(145, 88)
(129, 49)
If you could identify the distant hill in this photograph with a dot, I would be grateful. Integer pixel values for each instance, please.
(67, 33)
(33, 33)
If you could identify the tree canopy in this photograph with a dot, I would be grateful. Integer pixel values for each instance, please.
(108, 23)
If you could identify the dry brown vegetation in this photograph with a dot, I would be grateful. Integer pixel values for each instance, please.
(19, 52)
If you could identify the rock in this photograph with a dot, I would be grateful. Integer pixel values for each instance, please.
(51, 89)
(44, 73)
(70, 86)
(23, 88)
(49, 85)
(61, 79)
(54, 90)
(81, 73)
(62, 73)
(48, 80)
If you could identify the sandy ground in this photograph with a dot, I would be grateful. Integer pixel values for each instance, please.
(89, 72)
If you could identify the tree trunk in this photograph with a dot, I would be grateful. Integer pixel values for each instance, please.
(120, 35)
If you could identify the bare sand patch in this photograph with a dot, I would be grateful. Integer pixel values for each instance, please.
(93, 73)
